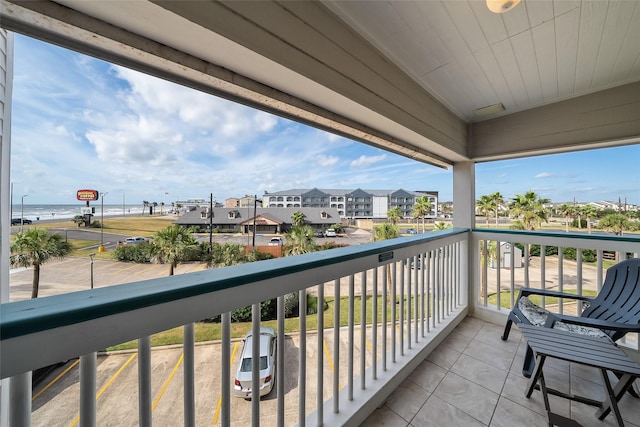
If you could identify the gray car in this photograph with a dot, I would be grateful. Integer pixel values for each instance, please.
(242, 383)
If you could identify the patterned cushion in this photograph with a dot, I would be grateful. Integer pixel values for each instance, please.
(535, 315)
(538, 316)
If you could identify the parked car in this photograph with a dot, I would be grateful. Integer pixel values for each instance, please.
(330, 232)
(134, 240)
(319, 233)
(16, 221)
(242, 383)
(411, 231)
(276, 241)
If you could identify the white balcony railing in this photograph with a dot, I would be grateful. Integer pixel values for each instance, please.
(415, 290)
(576, 263)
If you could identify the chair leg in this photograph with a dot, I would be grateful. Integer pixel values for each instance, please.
(529, 363)
(507, 329)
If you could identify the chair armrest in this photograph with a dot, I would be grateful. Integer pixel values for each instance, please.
(594, 323)
(548, 293)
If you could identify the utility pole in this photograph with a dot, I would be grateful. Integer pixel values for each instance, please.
(210, 222)
(255, 203)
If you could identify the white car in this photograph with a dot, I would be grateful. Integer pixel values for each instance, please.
(242, 383)
(134, 240)
(276, 241)
(330, 232)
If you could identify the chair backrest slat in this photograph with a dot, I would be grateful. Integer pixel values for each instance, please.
(619, 298)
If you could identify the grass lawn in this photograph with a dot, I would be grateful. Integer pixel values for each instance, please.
(212, 331)
(505, 299)
(137, 225)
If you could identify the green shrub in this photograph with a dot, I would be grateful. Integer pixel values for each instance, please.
(140, 253)
(291, 304)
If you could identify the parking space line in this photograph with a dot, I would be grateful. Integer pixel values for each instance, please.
(55, 380)
(217, 413)
(166, 383)
(108, 384)
(329, 360)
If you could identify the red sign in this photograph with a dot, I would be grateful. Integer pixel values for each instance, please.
(87, 195)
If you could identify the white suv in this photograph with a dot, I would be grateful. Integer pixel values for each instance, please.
(330, 232)
(134, 240)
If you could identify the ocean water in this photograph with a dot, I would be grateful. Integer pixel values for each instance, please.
(54, 212)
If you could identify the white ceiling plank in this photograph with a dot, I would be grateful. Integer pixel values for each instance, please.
(478, 78)
(443, 76)
(487, 61)
(491, 24)
(526, 56)
(539, 12)
(462, 73)
(592, 22)
(560, 7)
(629, 55)
(443, 25)
(511, 71)
(567, 28)
(413, 15)
(411, 51)
(573, 52)
(516, 20)
(615, 32)
(544, 40)
(465, 21)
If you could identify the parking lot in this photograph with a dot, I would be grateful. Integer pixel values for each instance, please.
(56, 399)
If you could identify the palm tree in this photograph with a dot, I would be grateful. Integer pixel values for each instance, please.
(485, 205)
(394, 215)
(145, 205)
(529, 208)
(34, 247)
(297, 219)
(300, 241)
(578, 213)
(497, 200)
(385, 231)
(225, 254)
(589, 212)
(567, 210)
(441, 226)
(616, 223)
(422, 208)
(173, 245)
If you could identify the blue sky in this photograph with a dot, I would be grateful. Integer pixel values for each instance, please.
(82, 123)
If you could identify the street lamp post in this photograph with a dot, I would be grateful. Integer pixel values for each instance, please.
(101, 248)
(92, 256)
(255, 203)
(22, 212)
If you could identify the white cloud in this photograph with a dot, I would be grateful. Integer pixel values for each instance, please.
(545, 175)
(326, 161)
(366, 161)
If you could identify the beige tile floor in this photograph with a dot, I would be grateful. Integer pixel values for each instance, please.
(475, 379)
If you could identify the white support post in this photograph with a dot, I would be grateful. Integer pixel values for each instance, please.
(464, 216)
(6, 87)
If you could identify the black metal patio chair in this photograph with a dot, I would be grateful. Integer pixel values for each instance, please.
(613, 313)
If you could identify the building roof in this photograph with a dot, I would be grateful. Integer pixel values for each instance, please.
(342, 192)
(242, 215)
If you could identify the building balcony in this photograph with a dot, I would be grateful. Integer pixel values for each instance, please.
(423, 347)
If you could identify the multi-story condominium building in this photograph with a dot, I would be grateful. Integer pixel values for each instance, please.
(352, 203)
